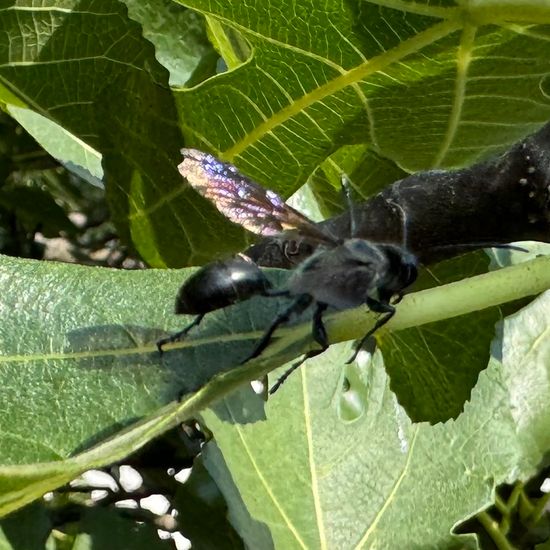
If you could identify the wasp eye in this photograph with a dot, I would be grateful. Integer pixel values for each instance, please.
(291, 248)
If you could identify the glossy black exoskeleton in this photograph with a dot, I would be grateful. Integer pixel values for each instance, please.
(215, 286)
(221, 284)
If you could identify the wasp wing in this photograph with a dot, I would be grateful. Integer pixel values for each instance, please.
(239, 199)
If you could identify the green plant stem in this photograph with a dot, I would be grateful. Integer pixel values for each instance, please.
(516, 494)
(501, 505)
(505, 508)
(493, 11)
(491, 526)
(538, 509)
(222, 43)
(452, 300)
(526, 508)
(427, 306)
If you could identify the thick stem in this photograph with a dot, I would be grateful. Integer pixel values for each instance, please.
(454, 299)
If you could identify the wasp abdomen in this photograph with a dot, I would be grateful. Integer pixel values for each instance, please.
(221, 284)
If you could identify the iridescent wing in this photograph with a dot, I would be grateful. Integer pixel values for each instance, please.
(239, 199)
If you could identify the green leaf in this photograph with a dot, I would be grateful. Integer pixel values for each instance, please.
(420, 84)
(367, 171)
(434, 367)
(333, 461)
(409, 79)
(179, 37)
(79, 360)
(61, 145)
(75, 337)
(128, 118)
(79, 363)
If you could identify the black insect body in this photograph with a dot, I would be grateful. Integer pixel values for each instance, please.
(341, 274)
(353, 273)
(215, 286)
(221, 284)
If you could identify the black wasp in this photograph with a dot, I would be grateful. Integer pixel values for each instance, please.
(341, 274)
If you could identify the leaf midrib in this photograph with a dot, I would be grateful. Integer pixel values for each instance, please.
(350, 77)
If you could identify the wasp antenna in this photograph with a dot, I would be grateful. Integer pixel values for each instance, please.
(466, 247)
(346, 189)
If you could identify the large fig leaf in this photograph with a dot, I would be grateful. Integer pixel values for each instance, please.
(422, 84)
(427, 85)
(334, 461)
(83, 384)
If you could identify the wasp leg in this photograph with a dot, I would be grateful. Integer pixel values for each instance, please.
(300, 304)
(281, 380)
(319, 331)
(320, 336)
(179, 335)
(274, 293)
(377, 307)
(397, 298)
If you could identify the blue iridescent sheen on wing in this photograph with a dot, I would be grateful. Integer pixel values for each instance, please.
(259, 210)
